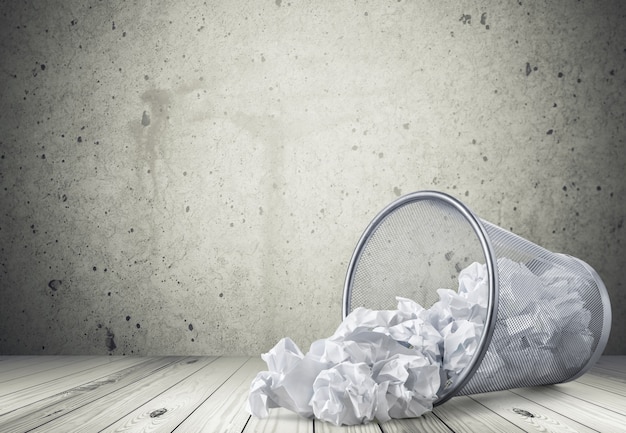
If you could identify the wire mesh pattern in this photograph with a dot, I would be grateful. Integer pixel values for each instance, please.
(551, 317)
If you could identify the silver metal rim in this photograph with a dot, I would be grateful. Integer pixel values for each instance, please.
(480, 231)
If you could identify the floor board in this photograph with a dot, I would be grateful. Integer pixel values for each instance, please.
(224, 411)
(43, 411)
(209, 394)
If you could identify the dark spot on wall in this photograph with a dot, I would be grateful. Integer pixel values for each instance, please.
(466, 19)
(549, 132)
(449, 255)
(485, 159)
(483, 18)
(109, 341)
(564, 188)
(187, 209)
(127, 318)
(54, 284)
(79, 139)
(528, 69)
(145, 119)
(397, 191)
(406, 126)
(278, 2)
(598, 188)
(560, 75)
(43, 67)
(190, 327)
(138, 325)
(221, 295)
(94, 269)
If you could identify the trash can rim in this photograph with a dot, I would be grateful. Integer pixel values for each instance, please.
(487, 248)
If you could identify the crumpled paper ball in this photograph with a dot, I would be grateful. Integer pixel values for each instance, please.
(393, 363)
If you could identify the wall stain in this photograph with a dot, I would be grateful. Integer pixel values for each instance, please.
(54, 284)
(466, 19)
(109, 341)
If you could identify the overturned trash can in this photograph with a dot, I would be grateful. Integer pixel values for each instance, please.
(544, 317)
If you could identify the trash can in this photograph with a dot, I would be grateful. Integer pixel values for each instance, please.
(547, 317)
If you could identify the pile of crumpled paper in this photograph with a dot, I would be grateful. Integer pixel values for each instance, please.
(378, 364)
(393, 363)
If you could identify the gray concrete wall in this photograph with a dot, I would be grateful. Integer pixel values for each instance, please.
(192, 177)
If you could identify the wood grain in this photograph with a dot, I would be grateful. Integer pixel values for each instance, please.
(426, 423)
(526, 414)
(225, 410)
(107, 410)
(462, 414)
(46, 410)
(588, 414)
(170, 408)
(209, 394)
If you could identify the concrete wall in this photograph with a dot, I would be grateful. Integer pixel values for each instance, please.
(192, 177)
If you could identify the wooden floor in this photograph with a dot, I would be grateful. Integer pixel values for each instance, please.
(208, 394)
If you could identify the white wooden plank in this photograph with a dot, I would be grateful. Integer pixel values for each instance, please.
(31, 416)
(324, 427)
(41, 385)
(279, 420)
(224, 411)
(425, 423)
(101, 413)
(527, 414)
(45, 367)
(593, 395)
(610, 384)
(464, 415)
(11, 358)
(12, 363)
(611, 362)
(590, 415)
(178, 401)
(600, 371)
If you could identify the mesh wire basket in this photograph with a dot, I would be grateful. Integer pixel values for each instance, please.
(548, 315)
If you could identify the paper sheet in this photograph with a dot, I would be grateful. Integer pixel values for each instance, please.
(393, 363)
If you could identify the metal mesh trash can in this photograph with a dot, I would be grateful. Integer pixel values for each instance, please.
(548, 315)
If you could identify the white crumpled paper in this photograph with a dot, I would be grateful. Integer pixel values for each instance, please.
(392, 363)
(543, 324)
(378, 364)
